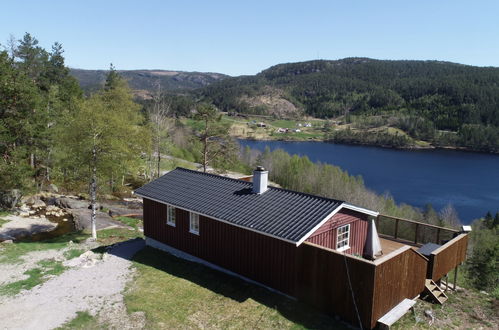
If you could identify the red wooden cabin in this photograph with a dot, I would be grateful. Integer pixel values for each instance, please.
(304, 246)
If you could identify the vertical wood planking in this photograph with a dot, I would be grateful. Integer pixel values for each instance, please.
(447, 257)
(326, 235)
(263, 259)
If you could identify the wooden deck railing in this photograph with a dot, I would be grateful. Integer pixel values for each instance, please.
(412, 232)
(342, 284)
(447, 257)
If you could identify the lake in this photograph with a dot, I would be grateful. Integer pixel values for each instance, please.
(469, 181)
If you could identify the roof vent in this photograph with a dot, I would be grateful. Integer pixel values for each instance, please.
(260, 180)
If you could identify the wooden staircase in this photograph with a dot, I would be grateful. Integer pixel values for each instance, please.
(435, 292)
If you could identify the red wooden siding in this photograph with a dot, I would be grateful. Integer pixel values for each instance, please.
(326, 234)
(261, 258)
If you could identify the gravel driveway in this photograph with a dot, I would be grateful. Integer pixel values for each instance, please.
(96, 289)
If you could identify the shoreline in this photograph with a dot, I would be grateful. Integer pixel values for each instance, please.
(406, 148)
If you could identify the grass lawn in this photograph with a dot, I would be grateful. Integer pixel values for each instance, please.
(2, 221)
(171, 164)
(12, 253)
(132, 222)
(175, 293)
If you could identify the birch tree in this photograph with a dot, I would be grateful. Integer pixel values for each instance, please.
(158, 116)
(104, 138)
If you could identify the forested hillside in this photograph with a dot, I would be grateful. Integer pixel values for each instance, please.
(146, 80)
(444, 103)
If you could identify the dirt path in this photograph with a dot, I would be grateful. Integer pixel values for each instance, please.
(97, 289)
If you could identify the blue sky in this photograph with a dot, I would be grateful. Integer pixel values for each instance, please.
(236, 37)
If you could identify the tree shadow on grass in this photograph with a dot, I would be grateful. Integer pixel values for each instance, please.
(235, 288)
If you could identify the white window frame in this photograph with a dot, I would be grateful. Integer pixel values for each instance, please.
(171, 216)
(342, 237)
(193, 218)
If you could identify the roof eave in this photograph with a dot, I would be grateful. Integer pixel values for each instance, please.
(221, 220)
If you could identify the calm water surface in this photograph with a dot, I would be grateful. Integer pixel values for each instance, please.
(469, 181)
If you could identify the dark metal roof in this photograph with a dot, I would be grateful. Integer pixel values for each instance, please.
(285, 214)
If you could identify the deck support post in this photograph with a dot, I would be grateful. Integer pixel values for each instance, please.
(438, 236)
(455, 278)
(396, 228)
(416, 234)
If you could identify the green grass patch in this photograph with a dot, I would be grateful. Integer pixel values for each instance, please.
(175, 293)
(171, 164)
(83, 320)
(4, 213)
(285, 123)
(3, 221)
(73, 253)
(12, 253)
(116, 235)
(132, 222)
(35, 276)
(194, 124)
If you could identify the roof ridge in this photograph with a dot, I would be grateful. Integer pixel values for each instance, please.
(249, 183)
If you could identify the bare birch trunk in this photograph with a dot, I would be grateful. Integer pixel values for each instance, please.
(93, 193)
(159, 161)
(205, 153)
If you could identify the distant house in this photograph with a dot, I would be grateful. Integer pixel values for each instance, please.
(282, 130)
(297, 130)
(261, 124)
(307, 124)
(316, 249)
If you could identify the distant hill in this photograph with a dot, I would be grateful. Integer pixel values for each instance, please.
(445, 92)
(145, 80)
(429, 100)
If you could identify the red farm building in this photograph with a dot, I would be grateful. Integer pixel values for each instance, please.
(321, 251)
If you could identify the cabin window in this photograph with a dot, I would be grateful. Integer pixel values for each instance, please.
(170, 215)
(343, 238)
(194, 223)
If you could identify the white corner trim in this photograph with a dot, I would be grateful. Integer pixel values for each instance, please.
(323, 221)
(360, 209)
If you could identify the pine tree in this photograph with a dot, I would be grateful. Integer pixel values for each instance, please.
(215, 137)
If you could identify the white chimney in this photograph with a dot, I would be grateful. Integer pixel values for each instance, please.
(260, 179)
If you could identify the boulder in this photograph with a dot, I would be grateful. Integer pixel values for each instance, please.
(52, 208)
(82, 219)
(9, 198)
(69, 203)
(38, 204)
(85, 260)
(5, 237)
(52, 188)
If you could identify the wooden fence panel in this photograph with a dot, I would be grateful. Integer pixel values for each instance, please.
(378, 286)
(322, 281)
(447, 257)
(398, 276)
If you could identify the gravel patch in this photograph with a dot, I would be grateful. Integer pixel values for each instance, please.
(97, 289)
(15, 272)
